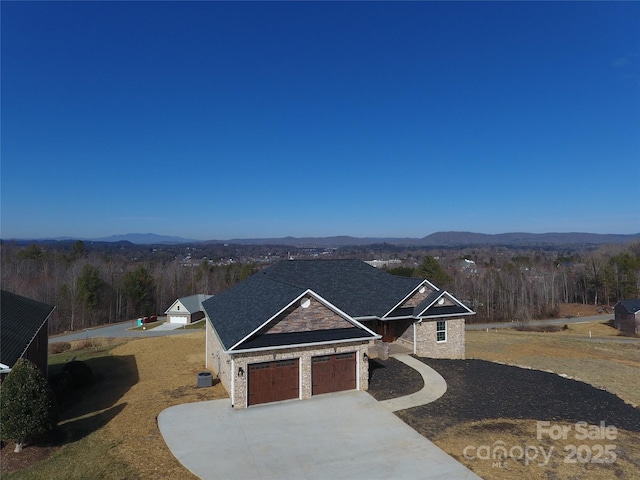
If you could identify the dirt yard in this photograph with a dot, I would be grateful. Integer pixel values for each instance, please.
(582, 310)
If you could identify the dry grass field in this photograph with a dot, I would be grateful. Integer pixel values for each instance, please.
(582, 352)
(112, 432)
(530, 458)
(109, 431)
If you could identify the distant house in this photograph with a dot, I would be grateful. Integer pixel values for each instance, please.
(187, 310)
(627, 316)
(304, 327)
(24, 331)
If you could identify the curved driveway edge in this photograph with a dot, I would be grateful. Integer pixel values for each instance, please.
(434, 386)
(345, 435)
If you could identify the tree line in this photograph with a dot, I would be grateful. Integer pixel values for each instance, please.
(92, 285)
(519, 285)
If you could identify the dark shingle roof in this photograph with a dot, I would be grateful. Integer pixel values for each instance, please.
(20, 320)
(432, 297)
(299, 338)
(239, 310)
(353, 286)
(632, 306)
(430, 308)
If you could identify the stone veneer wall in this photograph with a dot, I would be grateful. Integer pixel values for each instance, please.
(417, 297)
(453, 347)
(315, 317)
(239, 395)
(304, 355)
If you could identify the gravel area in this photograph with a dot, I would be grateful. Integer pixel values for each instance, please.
(391, 379)
(480, 390)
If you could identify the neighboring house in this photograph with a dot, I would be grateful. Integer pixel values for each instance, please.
(186, 310)
(627, 316)
(304, 327)
(24, 331)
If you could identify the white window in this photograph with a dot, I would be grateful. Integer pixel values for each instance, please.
(441, 331)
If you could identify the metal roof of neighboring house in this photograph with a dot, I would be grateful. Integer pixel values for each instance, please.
(192, 303)
(632, 306)
(20, 320)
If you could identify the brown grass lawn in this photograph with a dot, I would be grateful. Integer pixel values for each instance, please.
(608, 365)
(564, 461)
(111, 431)
(167, 369)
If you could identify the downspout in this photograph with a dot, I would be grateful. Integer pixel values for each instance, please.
(358, 367)
(206, 346)
(233, 382)
(414, 337)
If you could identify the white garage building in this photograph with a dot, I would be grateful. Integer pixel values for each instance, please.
(187, 310)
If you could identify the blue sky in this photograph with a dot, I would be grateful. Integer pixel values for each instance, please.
(213, 120)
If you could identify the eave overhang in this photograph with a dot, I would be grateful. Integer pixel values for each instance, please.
(424, 283)
(303, 345)
(237, 346)
(421, 310)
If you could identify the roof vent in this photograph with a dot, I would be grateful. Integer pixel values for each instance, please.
(441, 301)
(305, 302)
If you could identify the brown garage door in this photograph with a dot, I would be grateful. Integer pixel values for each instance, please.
(273, 381)
(333, 373)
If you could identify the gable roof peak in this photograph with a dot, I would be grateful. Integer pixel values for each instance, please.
(632, 305)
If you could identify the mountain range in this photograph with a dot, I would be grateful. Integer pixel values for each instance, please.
(438, 239)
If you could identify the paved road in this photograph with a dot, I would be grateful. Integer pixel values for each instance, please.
(124, 329)
(541, 323)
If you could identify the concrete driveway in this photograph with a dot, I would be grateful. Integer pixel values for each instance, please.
(122, 329)
(346, 435)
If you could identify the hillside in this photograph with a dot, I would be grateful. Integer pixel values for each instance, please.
(438, 239)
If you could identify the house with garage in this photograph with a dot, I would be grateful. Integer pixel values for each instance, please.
(304, 327)
(627, 316)
(186, 310)
(24, 332)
